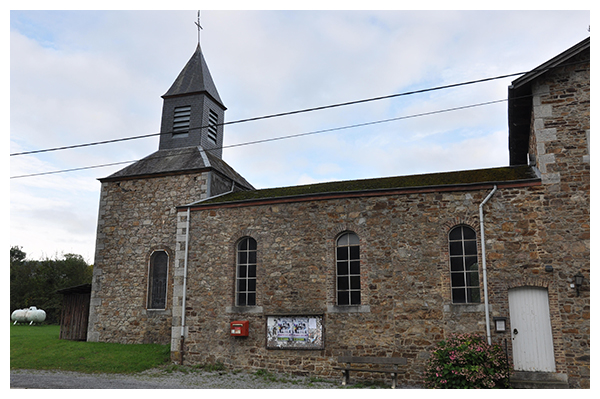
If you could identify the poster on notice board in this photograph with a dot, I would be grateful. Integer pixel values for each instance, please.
(295, 332)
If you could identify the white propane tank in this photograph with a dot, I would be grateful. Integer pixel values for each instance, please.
(19, 316)
(35, 315)
(32, 315)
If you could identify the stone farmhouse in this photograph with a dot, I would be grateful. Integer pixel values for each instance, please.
(189, 254)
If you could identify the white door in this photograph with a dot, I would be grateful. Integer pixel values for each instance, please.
(531, 332)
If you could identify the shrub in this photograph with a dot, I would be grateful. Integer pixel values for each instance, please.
(466, 361)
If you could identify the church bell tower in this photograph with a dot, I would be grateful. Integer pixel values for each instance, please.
(193, 112)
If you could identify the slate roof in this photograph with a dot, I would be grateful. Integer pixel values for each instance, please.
(466, 178)
(177, 161)
(195, 78)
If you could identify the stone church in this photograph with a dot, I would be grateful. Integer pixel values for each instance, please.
(189, 254)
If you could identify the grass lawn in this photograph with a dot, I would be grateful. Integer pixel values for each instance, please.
(38, 347)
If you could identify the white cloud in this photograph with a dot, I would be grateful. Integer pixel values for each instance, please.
(78, 77)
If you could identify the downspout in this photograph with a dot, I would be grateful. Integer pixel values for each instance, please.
(183, 295)
(485, 288)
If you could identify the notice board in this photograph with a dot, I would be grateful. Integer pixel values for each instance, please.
(295, 332)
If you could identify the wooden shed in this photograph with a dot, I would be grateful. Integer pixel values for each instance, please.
(75, 312)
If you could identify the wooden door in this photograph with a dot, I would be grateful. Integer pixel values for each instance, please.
(531, 331)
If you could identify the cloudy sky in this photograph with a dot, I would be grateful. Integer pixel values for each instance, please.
(86, 76)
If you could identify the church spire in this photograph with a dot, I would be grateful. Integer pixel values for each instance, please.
(193, 112)
(195, 78)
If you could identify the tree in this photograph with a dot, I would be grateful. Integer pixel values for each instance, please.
(34, 283)
(16, 255)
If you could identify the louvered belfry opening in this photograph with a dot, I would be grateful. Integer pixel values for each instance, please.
(181, 119)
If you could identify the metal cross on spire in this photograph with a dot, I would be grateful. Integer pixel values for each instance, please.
(199, 27)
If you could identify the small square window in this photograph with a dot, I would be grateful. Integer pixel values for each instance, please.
(343, 284)
(457, 264)
(458, 279)
(343, 298)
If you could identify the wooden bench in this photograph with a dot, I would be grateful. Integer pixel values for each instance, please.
(388, 361)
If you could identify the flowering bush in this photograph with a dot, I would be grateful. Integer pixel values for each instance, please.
(466, 361)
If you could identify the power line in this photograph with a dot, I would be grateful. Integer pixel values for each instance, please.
(305, 110)
(286, 137)
(69, 147)
(297, 112)
(362, 124)
(72, 170)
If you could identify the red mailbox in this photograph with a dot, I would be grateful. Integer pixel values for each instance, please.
(239, 328)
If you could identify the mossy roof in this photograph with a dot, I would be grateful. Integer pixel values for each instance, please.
(432, 180)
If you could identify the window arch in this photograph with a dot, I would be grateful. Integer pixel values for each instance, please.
(464, 270)
(347, 256)
(157, 280)
(245, 284)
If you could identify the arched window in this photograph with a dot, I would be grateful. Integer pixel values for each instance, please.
(348, 269)
(245, 285)
(157, 280)
(464, 270)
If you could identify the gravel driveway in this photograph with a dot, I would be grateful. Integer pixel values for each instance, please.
(168, 379)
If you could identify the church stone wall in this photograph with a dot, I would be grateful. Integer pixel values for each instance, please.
(136, 217)
(561, 106)
(561, 135)
(405, 277)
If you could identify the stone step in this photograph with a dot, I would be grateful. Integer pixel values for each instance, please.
(538, 380)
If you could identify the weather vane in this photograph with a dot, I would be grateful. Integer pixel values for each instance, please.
(199, 27)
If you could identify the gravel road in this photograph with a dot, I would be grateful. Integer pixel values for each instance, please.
(165, 379)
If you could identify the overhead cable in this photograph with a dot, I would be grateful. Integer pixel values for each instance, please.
(545, 69)
(407, 93)
(285, 137)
